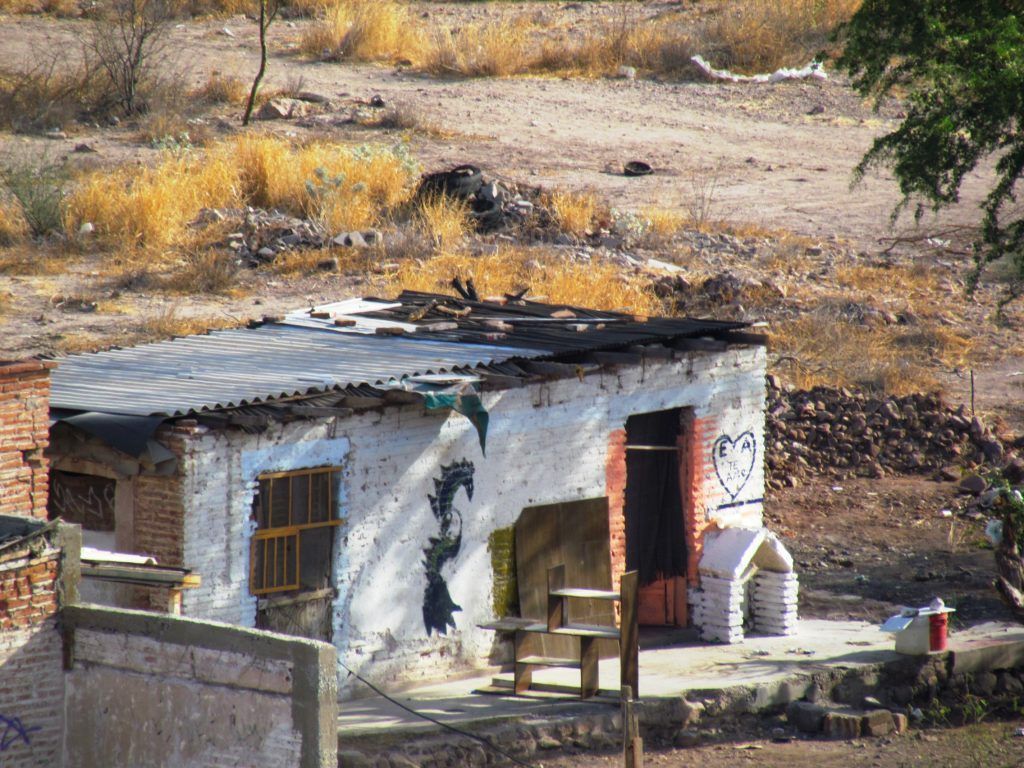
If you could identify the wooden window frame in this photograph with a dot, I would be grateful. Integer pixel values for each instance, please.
(279, 536)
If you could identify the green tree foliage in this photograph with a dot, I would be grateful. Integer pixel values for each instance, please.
(959, 64)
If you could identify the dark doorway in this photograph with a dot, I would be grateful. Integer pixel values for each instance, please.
(655, 520)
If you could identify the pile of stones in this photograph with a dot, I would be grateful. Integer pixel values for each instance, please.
(493, 205)
(259, 235)
(825, 431)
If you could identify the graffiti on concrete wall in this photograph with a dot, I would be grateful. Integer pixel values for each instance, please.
(12, 731)
(734, 461)
(438, 606)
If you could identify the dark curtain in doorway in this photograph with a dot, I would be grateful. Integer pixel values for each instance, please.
(655, 536)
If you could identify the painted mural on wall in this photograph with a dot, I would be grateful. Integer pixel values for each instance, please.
(734, 461)
(438, 606)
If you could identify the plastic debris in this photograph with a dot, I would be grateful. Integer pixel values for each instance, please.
(812, 71)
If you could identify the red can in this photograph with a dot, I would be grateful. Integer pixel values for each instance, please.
(938, 624)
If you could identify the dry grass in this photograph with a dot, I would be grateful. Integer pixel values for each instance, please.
(824, 348)
(574, 212)
(750, 35)
(222, 89)
(168, 324)
(497, 48)
(763, 35)
(22, 261)
(140, 207)
(443, 220)
(364, 30)
(151, 207)
(202, 270)
(661, 225)
(598, 286)
(59, 8)
(13, 227)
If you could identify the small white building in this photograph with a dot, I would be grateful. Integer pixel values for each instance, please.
(389, 475)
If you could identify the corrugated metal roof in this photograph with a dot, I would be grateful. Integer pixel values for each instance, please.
(225, 369)
(310, 353)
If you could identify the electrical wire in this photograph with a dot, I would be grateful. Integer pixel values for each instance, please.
(486, 742)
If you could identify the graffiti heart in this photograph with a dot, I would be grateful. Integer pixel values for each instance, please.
(438, 606)
(734, 461)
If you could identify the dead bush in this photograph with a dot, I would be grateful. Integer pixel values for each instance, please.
(46, 96)
(221, 89)
(763, 35)
(127, 42)
(203, 270)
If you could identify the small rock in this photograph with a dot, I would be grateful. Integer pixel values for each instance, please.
(548, 742)
(330, 264)
(628, 73)
(372, 236)
(226, 32)
(973, 484)
(377, 101)
(349, 240)
(282, 109)
(840, 725)
(806, 716)
(900, 723)
(817, 109)
(87, 228)
(949, 473)
(83, 148)
(878, 722)
(686, 738)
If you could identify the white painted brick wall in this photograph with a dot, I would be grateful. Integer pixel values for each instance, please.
(547, 443)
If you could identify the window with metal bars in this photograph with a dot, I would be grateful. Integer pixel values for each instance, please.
(293, 547)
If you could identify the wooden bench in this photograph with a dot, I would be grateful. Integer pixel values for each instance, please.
(559, 623)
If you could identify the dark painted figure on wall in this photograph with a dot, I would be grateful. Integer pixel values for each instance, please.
(438, 606)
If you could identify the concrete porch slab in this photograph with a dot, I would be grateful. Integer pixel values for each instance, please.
(765, 671)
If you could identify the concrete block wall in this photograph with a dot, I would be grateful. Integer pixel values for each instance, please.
(548, 443)
(148, 690)
(24, 435)
(31, 674)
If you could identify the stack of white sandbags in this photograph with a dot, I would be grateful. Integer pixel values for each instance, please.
(775, 603)
(718, 609)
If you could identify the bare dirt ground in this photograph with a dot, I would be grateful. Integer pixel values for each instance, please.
(986, 745)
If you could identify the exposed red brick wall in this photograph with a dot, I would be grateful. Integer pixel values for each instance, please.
(160, 515)
(698, 464)
(24, 435)
(615, 490)
(31, 672)
(28, 590)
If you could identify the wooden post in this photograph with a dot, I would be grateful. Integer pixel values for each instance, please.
(632, 744)
(589, 659)
(174, 602)
(557, 615)
(629, 634)
(523, 674)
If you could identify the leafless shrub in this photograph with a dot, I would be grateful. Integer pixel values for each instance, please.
(127, 42)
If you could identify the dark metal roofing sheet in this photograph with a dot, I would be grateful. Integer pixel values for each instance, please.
(225, 369)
